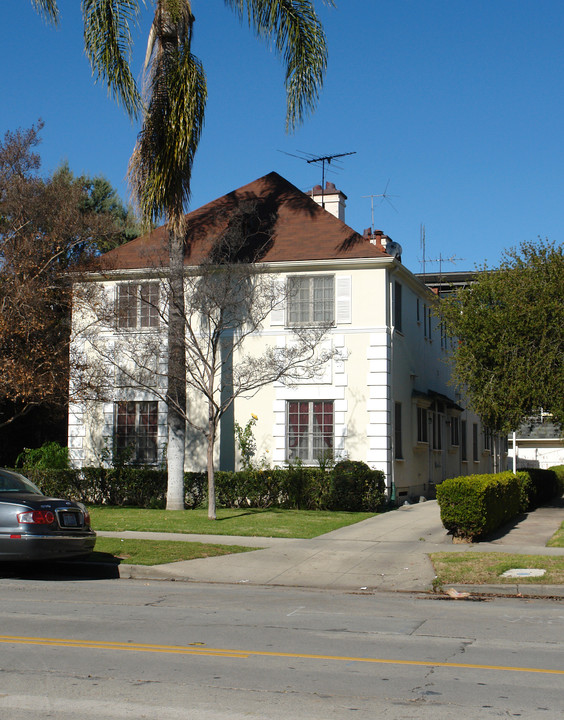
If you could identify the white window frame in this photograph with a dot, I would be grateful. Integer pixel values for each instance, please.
(305, 306)
(137, 305)
(143, 445)
(308, 445)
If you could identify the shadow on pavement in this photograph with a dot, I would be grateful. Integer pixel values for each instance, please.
(501, 532)
(97, 566)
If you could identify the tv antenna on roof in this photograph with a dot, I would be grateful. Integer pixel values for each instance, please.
(309, 158)
(384, 196)
(452, 259)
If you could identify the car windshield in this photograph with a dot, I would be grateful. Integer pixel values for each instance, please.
(16, 483)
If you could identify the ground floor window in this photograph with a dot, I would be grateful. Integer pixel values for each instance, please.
(310, 429)
(422, 432)
(475, 442)
(454, 431)
(136, 431)
(463, 441)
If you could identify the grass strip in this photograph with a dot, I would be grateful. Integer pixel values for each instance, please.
(246, 522)
(157, 552)
(557, 540)
(474, 568)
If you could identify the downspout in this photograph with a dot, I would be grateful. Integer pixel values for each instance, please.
(514, 452)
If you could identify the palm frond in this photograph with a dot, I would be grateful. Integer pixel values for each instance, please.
(161, 164)
(108, 44)
(297, 35)
(47, 8)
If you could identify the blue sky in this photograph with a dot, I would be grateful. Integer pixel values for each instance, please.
(454, 108)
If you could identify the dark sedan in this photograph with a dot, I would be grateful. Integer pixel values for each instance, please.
(36, 527)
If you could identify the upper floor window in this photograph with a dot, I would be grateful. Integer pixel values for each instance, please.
(138, 305)
(310, 429)
(398, 306)
(311, 299)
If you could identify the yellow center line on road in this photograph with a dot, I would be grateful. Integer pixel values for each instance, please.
(245, 654)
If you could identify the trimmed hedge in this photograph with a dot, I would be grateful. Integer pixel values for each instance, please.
(541, 486)
(349, 485)
(559, 471)
(473, 506)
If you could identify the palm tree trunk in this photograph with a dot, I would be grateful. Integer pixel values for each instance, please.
(176, 393)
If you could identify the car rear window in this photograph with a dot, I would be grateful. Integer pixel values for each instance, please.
(14, 482)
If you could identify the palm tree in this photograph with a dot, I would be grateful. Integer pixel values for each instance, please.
(173, 116)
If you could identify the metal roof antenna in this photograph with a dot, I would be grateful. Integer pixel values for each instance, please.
(384, 196)
(309, 158)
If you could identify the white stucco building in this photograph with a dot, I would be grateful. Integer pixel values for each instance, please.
(383, 398)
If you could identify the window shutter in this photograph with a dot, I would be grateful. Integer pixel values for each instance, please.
(343, 299)
(278, 313)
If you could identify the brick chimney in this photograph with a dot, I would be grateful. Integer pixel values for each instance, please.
(330, 198)
(376, 238)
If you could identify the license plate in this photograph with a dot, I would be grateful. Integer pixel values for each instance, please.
(69, 519)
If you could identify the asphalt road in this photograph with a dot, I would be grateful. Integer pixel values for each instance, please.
(112, 649)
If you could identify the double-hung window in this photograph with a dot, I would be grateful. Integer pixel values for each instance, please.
(138, 305)
(136, 425)
(422, 425)
(311, 299)
(309, 430)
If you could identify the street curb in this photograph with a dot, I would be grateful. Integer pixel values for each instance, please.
(529, 590)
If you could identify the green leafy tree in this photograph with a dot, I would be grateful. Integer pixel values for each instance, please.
(173, 117)
(509, 329)
(100, 197)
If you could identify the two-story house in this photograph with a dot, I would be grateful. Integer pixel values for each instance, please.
(384, 396)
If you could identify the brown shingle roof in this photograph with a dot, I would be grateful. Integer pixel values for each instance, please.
(279, 222)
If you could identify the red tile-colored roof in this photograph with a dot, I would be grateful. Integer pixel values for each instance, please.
(286, 225)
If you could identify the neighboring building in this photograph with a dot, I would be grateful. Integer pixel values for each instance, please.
(538, 443)
(385, 398)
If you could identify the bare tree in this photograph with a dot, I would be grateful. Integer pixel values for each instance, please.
(228, 299)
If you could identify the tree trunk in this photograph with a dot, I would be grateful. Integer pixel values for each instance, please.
(176, 392)
(211, 475)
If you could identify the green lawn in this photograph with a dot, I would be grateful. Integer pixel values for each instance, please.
(473, 568)
(245, 522)
(557, 540)
(156, 552)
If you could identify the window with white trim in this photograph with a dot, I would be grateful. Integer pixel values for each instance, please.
(422, 425)
(136, 427)
(311, 299)
(137, 305)
(309, 429)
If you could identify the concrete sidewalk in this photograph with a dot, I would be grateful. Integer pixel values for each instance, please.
(387, 552)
